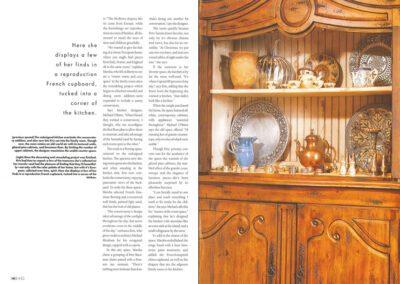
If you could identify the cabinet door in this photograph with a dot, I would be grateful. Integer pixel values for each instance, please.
(237, 242)
(347, 245)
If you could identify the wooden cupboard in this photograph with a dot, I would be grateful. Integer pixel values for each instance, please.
(346, 244)
(313, 232)
(305, 28)
(238, 241)
(268, 228)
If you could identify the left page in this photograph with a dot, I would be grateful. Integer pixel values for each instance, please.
(99, 142)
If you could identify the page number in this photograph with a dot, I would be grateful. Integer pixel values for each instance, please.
(18, 278)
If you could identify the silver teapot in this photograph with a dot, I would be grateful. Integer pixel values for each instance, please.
(365, 76)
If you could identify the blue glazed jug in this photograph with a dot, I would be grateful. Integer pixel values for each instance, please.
(242, 149)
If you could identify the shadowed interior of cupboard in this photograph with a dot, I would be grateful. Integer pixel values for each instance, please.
(328, 116)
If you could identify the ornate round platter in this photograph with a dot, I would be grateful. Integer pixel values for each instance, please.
(325, 66)
(375, 52)
(266, 122)
(368, 123)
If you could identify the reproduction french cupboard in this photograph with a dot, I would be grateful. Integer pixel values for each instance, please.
(281, 228)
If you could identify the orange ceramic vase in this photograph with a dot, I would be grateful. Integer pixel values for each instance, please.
(243, 69)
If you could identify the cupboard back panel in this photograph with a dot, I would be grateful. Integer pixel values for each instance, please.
(328, 116)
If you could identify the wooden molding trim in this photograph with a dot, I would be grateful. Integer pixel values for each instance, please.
(299, 17)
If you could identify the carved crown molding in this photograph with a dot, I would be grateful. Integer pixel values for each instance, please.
(297, 17)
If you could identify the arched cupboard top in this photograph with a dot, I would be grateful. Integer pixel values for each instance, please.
(229, 19)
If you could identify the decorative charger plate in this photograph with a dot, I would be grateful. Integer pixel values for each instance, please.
(266, 122)
(375, 52)
(360, 142)
(325, 66)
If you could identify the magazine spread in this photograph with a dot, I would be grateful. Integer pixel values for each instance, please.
(99, 142)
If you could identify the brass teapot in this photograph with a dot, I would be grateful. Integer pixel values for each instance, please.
(316, 152)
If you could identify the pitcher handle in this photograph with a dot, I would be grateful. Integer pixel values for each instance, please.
(231, 146)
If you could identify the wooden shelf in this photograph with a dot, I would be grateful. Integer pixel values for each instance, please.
(323, 92)
(301, 180)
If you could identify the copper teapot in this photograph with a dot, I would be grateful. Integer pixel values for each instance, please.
(315, 153)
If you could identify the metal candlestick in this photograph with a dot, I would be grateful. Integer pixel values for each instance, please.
(374, 132)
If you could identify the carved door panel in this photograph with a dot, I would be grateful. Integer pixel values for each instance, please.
(338, 244)
(237, 242)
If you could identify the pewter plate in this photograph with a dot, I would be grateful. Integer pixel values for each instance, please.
(375, 52)
(361, 143)
(266, 122)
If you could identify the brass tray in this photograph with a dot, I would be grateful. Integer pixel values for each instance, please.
(265, 121)
(361, 142)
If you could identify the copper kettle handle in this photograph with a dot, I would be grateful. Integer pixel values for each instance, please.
(329, 148)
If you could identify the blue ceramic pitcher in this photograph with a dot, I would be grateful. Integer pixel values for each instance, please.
(242, 149)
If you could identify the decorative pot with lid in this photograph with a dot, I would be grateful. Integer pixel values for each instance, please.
(307, 78)
(313, 154)
(365, 76)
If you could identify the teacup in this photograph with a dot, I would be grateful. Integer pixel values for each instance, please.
(318, 83)
(329, 85)
(293, 84)
(271, 84)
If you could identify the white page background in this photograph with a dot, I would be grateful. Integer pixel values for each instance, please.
(50, 227)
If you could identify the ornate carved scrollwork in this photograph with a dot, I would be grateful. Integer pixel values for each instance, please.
(315, 222)
(260, 219)
(241, 231)
(318, 227)
(336, 236)
(295, 17)
(340, 228)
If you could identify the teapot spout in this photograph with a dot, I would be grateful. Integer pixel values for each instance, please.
(253, 139)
